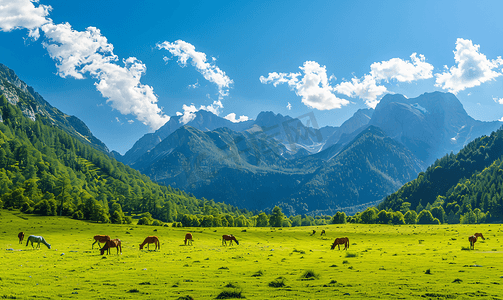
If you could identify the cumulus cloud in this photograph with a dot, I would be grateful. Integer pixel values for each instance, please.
(472, 68)
(366, 89)
(317, 92)
(232, 117)
(313, 87)
(21, 14)
(189, 111)
(402, 70)
(88, 52)
(185, 51)
(498, 100)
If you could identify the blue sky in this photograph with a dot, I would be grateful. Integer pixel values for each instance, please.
(124, 67)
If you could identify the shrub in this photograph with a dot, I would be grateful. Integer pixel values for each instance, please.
(278, 282)
(231, 294)
(349, 254)
(309, 275)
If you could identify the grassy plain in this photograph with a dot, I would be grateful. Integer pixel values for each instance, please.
(383, 261)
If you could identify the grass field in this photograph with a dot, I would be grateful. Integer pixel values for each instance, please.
(383, 261)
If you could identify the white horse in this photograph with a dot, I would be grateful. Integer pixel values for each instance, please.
(37, 239)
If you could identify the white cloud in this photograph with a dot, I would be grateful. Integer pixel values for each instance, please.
(189, 111)
(79, 52)
(472, 68)
(498, 100)
(366, 89)
(19, 14)
(501, 120)
(185, 51)
(401, 70)
(232, 117)
(289, 106)
(316, 92)
(194, 86)
(314, 87)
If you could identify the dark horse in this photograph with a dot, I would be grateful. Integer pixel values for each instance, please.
(21, 237)
(323, 232)
(341, 241)
(226, 238)
(115, 243)
(100, 239)
(472, 239)
(188, 238)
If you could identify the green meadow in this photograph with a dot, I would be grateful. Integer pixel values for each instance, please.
(383, 261)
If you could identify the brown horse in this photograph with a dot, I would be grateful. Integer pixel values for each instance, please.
(188, 237)
(472, 239)
(323, 232)
(479, 235)
(100, 239)
(229, 237)
(340, 241)
(21, 237)
(314, 232)
(115, 243)
(151, 240)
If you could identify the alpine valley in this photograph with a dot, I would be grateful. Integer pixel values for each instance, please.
(278, 160)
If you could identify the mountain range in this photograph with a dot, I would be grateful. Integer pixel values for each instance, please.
(281, 160)
(285, 161)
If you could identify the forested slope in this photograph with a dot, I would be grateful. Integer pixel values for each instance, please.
(464, 183)
(45, 170)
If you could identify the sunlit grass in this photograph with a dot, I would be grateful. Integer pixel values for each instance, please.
(384, 262)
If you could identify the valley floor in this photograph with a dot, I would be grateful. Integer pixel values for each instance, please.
(383, 261)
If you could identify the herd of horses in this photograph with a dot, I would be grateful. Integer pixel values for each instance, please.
(116, 243)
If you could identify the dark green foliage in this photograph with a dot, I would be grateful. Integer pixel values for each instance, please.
(50, 164)
(425, 217)
(458, 184)
(309, 275)
(276, 217)
(278, 282)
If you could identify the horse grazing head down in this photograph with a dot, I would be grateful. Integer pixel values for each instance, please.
(115, 243)
(341, 241)
(151, 240)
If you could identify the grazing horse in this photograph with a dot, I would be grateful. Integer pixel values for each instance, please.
(151, 240)
(37, 239)
(229, 237)
(479, 235)
(323, 232)
(188, 237)
(21, 237)
(472, 239)
(314, 232)
(100, 239)
(340, 241)
(115, 243)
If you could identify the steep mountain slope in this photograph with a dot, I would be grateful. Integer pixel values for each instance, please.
(202, 120)
(369, 167)
(431, 125)
(32, 104)
(299, 139)
(467, 180)
(254, 171)
(48, 167)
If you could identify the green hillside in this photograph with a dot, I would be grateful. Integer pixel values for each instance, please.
(45, 170)
(467, 186)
